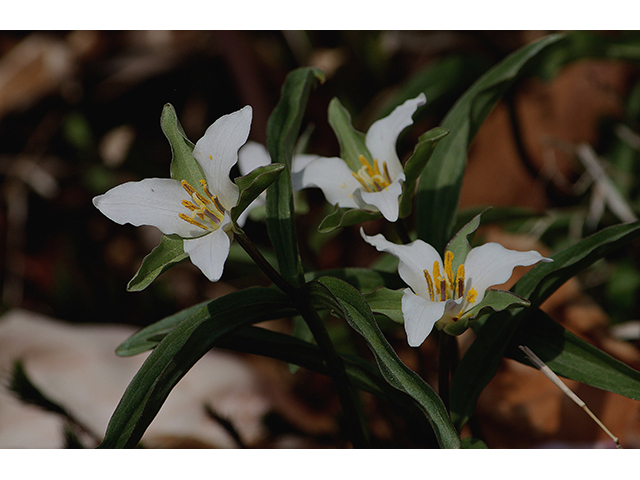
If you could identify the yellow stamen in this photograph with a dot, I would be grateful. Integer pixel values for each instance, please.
(189, 205)
(460, 281)
(190, 220)
(427, 277)
(361, 181)
(387, 177)
(436, 276)
(448, 264)
(366, 163)
(190, 190)
(200, 206)
(471, 295)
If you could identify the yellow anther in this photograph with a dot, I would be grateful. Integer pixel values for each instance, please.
(448, 266)
(361, 181)
(471, 295)
(427, 277)
(190, 220)
(366, 163)
(189, 205)
(387, 177)
(460, 281)
(371, 177)
(190, 190)
(436, 276)
(200, 206)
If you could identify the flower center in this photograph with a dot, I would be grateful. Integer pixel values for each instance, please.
(208, 209)
(371, 177)
(447, 287)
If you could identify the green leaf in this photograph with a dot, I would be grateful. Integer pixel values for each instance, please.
(362, 374)
(441, 180)
(545, 278)
(253, 184)
(365, 280)
(351, 141)
(415, 165)
(282, 130)
(571, 357)
(386, 302)
(169, 252)
(349, 304)
(497, 301)
(147, 338)
(183, 165)
(179, 350)
(459, 245)
(494, 333)
(344, 217)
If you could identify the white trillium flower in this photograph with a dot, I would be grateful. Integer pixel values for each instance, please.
(199, 214)
(377, 185)
(437, 294)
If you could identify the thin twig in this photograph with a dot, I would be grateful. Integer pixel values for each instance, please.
(566, 390)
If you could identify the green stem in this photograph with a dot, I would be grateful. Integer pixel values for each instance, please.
(262, 262)
(334, 363)
(401, 230)
(444, 367)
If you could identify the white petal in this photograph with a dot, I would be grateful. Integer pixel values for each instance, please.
(333, 177)
(492, 264)
(414, 258)
(209, 253)
(251, 156)
(420, 316)
(217, 153)
(152, 201)
(301, 161)
(382, 135)
(386, 201)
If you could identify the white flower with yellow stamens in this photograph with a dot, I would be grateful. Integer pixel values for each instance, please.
(377, 185)
(199, 213)
(438, 297)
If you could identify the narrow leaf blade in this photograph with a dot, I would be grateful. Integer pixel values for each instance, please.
(440, 183)
(179, 350)
(350, 305)
(282, 131)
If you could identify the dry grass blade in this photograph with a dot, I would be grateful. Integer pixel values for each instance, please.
(566, 390)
